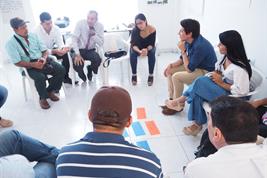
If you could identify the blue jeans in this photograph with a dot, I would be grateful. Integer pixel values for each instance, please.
(151, 60)
(3, 95)
(14, 142)
(201, 90)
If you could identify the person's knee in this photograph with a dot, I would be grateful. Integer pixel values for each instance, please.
(9, 135)
(40, 78)
(61, 70)
(176, 77)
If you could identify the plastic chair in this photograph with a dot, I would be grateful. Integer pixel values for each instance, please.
(25, 76)
(114, 42)
(256, 82)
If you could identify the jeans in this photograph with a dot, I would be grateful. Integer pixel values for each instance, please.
(151, 60)
(3, 95)
(201, 90)
(55, 82)
(14, 142)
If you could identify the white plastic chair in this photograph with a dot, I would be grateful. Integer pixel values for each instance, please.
(35, 95)
(114, 42)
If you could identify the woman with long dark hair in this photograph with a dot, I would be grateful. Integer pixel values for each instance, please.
(232, 76)
(142, 44)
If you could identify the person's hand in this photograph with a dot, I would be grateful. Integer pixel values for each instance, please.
(181, 46)
(62, 51)
(66, 49)
(216, 77)
(39, 64)
(144, 52)
(149, 47)
(167, 71)
(78, 60)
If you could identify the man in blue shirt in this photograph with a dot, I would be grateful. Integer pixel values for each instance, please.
(104, 152)
(197, 58)
(26, 50)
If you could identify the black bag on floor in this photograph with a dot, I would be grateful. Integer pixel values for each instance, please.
(206, 147)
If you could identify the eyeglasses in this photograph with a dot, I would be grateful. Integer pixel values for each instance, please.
(181, 30)
(139, 23)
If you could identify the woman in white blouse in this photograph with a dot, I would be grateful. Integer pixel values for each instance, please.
(231, 77)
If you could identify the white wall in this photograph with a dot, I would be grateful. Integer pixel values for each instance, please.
(164, 18)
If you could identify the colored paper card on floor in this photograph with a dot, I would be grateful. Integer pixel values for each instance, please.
(137, 128)
(152, 128)
(141, 113)
(125, 133)
(143, 144)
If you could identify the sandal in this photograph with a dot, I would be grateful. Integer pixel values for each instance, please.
(193, 130)
(5, 122)
(174, 105)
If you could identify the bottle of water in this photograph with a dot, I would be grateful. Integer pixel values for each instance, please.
(264, 119)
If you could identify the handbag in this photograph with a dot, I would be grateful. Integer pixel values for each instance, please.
(110, 55)
(47, 69)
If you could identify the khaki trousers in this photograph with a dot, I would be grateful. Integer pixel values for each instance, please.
(179, 76)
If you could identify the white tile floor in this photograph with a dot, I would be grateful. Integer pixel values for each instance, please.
(67, 121)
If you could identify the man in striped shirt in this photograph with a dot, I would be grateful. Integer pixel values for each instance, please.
(104, 152)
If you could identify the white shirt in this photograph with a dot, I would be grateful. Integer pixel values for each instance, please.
(231, 161)
(51, 39)
(81, 34)
(15, 166)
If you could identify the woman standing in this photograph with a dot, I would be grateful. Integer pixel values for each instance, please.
(142, 44)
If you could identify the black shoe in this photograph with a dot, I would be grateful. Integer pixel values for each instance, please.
(67, 80)
(134, 79)
(150, 80)
(89, 73)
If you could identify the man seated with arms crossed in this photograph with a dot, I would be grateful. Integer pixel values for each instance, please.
(52, 38)
(26, 50)
(233, 129)
(104, 152)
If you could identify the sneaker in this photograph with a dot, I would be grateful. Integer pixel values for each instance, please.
(44, 104)
(134, 79)
(5, 122)
(150, 80)
(52, 96)
(193, 130)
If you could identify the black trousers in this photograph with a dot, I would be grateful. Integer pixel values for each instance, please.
(40, 78)
(65, 63)
(89, 55)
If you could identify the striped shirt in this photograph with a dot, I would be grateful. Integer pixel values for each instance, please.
(106, 155)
